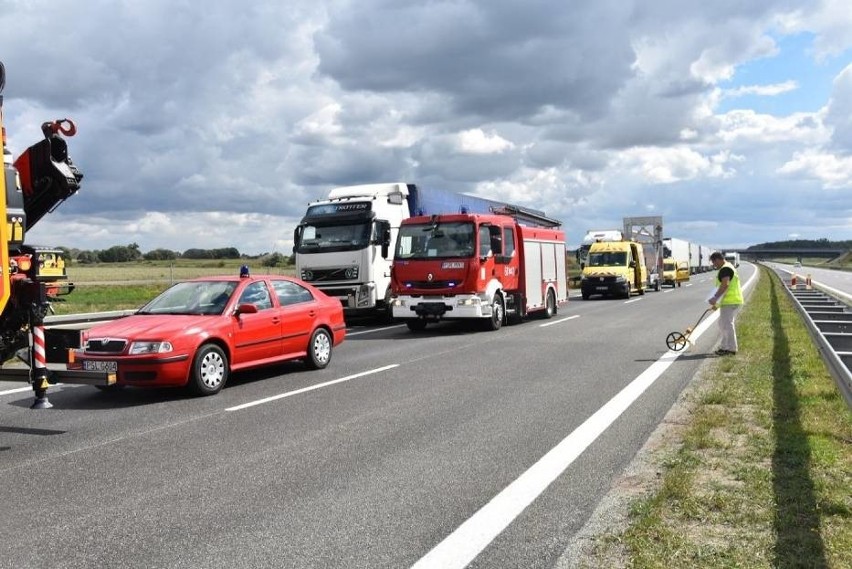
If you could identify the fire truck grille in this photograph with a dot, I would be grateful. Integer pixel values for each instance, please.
(105, 346)
(432, 285)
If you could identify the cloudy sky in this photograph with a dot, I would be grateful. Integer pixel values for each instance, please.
(213, 124)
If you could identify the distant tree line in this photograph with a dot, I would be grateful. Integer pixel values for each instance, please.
(805, 244)
(131, 253)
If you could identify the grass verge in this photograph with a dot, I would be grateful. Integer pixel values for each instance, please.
(761, 475)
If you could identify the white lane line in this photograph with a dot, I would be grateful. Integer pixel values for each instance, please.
(459, 548)
(311, 388)
(17, 390)
(560, 321)
(634, 300)
(348, 333)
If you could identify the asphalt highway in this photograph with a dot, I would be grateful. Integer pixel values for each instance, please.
(447, 448)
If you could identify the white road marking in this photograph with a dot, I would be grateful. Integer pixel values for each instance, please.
(348, 333)
(459, 548)
(311, 388)
(17, 390)
(560, 321)
(633, 300)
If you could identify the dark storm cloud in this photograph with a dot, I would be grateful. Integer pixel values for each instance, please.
(496, 59)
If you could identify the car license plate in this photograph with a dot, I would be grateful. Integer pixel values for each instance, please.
(100, 365)
(601, 288)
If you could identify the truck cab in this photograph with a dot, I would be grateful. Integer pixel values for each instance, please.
(614, 268)
(342, 244)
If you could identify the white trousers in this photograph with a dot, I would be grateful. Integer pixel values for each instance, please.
(727, 314)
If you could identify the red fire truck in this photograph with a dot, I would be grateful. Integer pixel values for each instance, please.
(495, 267)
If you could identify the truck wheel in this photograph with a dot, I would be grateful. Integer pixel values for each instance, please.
(319, 349)
(585, 295)
(498, 310)
(550, 304)
(209, 370)
(416, 325)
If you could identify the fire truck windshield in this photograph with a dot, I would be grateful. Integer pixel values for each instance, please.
(427, 241)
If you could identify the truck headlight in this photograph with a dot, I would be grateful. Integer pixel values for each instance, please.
(619, 279)
(160, 347)
(475, 301)
(397, 302)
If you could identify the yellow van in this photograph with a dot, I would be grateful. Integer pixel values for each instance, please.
(675, 272)
(614, 268)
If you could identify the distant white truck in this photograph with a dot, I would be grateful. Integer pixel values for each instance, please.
(594, 236)
(733, 258)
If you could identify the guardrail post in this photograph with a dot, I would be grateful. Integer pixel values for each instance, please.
(40, 374)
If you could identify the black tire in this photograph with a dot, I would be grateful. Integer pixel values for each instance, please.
(550, 304)
(417, 325)
(585, 295)
(209, 371)
(498, 312)
(319, 349)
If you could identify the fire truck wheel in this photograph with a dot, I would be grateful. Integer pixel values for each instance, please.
(416, 325)
(319, 349)
(209, 370)
(498, 310)
(550, 305)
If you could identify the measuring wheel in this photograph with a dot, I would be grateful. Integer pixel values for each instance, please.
(676, 341)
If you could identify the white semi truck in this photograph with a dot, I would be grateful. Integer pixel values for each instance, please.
(344, 243)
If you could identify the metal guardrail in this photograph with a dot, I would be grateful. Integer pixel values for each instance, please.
(828, 317)
(73, 321)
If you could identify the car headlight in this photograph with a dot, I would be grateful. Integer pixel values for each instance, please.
(160, 347)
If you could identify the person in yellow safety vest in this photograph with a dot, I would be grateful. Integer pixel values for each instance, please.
(729, 298)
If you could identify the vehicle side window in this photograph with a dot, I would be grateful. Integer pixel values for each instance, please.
(508, 242)
(256, 293)
(291, 293)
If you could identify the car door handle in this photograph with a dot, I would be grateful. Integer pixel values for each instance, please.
(276, 320)
(312, 313)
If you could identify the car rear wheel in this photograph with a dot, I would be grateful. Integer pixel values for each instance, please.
(319, 349)
(209, 370)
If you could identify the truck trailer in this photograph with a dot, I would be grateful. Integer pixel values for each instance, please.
(592, 236)
(649, 232)
(343, 243)
(494, 268)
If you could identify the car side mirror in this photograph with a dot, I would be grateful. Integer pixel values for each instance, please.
(246, 308)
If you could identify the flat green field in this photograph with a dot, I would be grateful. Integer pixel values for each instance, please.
(126, 286)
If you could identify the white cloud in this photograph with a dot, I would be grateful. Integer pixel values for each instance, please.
(475, 141)
(762, 90)
(831, 171)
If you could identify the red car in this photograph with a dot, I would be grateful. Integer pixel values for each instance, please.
(198, 331)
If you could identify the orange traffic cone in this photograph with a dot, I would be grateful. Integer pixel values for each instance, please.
(793, 281)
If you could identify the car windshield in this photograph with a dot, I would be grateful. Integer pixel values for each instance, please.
(428, 241)
(608, 259)
(194, 297)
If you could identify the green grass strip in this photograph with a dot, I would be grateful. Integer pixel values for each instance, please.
(762, 476)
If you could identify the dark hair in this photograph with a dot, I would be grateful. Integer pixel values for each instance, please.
(717, 255)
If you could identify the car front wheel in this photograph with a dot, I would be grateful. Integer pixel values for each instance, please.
(319, 349)
(209, 370)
